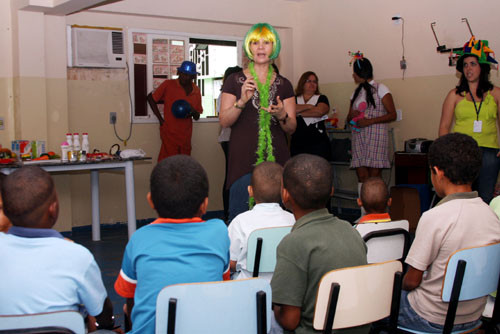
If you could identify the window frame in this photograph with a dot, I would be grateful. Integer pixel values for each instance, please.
(151, 118)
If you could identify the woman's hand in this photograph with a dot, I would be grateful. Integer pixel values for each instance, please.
(247, 90)
(277, 110)
(364, 122)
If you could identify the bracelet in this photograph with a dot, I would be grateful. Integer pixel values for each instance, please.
(237, 106)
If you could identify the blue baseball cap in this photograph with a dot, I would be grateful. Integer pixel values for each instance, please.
(188, 67)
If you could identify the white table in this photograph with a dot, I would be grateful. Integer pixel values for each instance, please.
(95, 167)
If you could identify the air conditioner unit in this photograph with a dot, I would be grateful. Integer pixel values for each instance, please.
(97, 47)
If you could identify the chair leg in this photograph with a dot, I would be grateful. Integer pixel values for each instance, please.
(261, 313)
(455, 294)
(396, 299)
(258, 253)
(172, 308)
(332, 307)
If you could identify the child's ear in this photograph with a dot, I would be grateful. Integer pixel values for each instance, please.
(150, 201)
(250, 191)
(332, 191)
(389, 202)
(203, 207)
(360, 204)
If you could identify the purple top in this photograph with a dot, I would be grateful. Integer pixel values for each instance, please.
(244, 132)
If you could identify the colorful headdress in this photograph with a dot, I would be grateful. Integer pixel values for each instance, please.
(356, 56)
(265, 31)
(478, 48)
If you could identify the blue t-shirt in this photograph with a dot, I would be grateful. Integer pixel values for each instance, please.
(42, 272)
(166, 252)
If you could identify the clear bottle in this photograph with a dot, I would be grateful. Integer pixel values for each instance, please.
(76, 146)
(85, 146)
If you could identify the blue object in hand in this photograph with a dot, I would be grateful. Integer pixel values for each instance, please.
(181, 109)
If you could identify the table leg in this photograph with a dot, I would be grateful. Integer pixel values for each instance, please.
(94, 190)
(130, 190)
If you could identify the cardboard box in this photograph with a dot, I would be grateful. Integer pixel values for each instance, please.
(32, 147)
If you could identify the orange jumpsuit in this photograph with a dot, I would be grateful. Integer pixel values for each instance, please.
(175, 132)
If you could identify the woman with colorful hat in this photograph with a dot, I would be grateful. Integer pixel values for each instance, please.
(371, 109)
(259, 106)
(474, 105)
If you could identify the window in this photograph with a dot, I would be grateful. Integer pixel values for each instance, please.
(156, 56)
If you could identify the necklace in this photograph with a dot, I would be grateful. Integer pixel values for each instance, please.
(265, 140)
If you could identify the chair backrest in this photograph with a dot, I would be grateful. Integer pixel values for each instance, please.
(365, 296)
(215, 307)
(263, 258)
(385, 241)
(52, 322)
(482, 272)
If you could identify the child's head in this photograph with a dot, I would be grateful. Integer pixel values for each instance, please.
(457, 156)
(308, 180)
(265, 184)
(179, 187)
(374, 197)
(29, 198)
(4, 221)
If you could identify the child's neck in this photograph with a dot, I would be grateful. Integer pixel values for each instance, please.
(452, 188)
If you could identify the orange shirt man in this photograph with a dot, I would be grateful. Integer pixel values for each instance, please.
(176, 132)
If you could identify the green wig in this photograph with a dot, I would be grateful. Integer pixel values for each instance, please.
(266, 32)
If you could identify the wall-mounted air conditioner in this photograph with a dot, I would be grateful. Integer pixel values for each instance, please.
(96, 47)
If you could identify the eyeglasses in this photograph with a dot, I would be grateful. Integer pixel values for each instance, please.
(312, 81)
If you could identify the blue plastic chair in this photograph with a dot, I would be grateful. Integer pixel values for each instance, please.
(470, 273)
(261, 249)
(241, 306)
(53, 322)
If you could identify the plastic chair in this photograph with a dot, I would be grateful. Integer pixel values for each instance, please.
(470, 273)
(52, 322)
(241, 306)
(262, 244)
(385, 241)
(356, 296)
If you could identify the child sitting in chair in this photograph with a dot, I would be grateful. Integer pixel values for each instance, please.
(265, 188)
(41, 271)
(374, 198)
(460, 220)
(178, 247)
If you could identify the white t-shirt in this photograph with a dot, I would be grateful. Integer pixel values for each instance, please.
(459, 221)
(262, 215)
(381, 92)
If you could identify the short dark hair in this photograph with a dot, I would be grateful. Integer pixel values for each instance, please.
(458, 156)
(179, 185)
(374, 195)
(308, 179)
(25, 194)
(266, 182)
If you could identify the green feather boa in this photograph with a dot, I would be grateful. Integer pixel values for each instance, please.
(265, 139)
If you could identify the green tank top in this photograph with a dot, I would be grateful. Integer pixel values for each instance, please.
(465, 115)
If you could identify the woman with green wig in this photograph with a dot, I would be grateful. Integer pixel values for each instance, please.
(259, 106)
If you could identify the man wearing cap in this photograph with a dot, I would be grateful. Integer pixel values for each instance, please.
(175, 131)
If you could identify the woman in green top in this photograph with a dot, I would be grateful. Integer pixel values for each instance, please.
(474, 104)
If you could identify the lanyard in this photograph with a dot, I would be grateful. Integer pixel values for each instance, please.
(480, 105)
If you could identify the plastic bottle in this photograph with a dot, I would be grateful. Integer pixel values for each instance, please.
(69, 141)
(85, 146)
(76, 146)
(65, 148)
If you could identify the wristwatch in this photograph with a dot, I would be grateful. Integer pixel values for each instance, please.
(237, 106)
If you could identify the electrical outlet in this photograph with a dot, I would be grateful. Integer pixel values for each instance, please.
(402, 64)
(399, 115)
(112, 118)
(2, 123)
